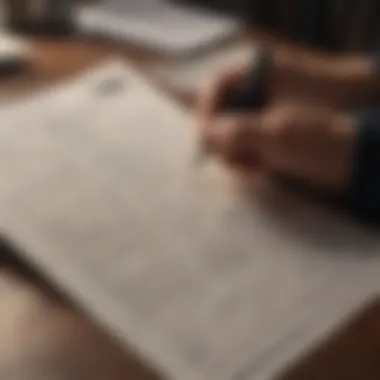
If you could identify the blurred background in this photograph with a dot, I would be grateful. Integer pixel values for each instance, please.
(180, 42)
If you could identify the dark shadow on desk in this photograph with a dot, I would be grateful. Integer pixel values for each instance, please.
(352, 353)
(313, 221)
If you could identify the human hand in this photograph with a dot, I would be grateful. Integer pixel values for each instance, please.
(212, 94)
(287, 81)
(312, 144)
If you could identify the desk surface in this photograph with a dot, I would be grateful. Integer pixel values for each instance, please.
(43, 338)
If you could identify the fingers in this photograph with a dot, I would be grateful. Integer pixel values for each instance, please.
(212, 93)
(269, 138)
(311, 144)
(300, 141)
(235, 140)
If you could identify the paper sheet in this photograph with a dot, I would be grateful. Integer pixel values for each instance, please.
(205, 282)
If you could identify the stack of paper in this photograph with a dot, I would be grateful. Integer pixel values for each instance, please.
(98, 190)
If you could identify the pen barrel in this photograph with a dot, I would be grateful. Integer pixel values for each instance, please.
(250, 94)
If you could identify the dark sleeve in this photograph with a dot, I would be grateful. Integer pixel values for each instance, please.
(363, 195)
(364, 191)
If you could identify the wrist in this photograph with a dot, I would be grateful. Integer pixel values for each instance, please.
(341, 81)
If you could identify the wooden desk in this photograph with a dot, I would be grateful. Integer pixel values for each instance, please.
(43, 338)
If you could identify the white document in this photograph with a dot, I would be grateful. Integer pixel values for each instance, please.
(99, 191)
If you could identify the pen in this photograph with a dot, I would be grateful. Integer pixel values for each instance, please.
(248, 95)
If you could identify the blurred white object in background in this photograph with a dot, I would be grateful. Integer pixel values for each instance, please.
(188, 76)
(156, 24)
(15, 52)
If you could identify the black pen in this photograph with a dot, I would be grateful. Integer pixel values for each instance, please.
(248, 95)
